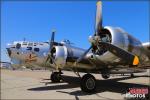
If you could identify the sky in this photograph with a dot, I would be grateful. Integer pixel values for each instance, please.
(73, 20)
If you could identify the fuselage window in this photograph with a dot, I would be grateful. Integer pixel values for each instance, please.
(29, 48)
(36, 49)
(24, 44)
(35, 44)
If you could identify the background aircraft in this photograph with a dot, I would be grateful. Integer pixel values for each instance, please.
(112, 50)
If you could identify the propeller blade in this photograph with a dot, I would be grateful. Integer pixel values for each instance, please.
(52, 40)
(48, 57)
(125, 55)
(98, 23)
(84, 54)
(53, 61)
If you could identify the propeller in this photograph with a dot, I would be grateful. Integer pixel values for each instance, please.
(127, 56)
(98, 28)
(98, 23)
(51, 42)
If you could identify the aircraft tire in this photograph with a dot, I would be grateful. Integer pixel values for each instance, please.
(55, 77)
(88, 83)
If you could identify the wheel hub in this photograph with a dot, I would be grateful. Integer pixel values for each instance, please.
(90, 83)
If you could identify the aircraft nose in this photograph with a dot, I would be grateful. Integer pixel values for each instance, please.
(8, 51)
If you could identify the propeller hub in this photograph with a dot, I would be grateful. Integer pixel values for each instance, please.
(94, 40)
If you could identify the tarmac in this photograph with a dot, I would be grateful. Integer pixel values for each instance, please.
(27, 84)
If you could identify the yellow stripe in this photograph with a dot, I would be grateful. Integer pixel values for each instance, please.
(136, 60)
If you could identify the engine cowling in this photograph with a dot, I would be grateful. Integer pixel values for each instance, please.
(118, 37)
(59, 54)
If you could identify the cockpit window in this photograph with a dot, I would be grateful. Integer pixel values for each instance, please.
(24, 44)
(36, 49)
(67, 41)
(30, 44)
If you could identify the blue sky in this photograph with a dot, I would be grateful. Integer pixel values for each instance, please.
(73, 20)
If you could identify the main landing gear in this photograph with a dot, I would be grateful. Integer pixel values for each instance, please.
(131, 75)
(105, 73)
(56, 77)
(88, 83)
(105, 76)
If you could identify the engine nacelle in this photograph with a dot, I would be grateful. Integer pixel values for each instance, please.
(66, 55)
(59, 54)
(119, 38)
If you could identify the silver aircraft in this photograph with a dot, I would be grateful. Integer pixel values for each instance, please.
(112, 51)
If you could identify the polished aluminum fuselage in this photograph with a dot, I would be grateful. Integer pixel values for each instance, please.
(66, 54)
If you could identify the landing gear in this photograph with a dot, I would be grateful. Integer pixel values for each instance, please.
(106, 76)
(105, 73)
(55, 77)
(132, 75)
(88, 83)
